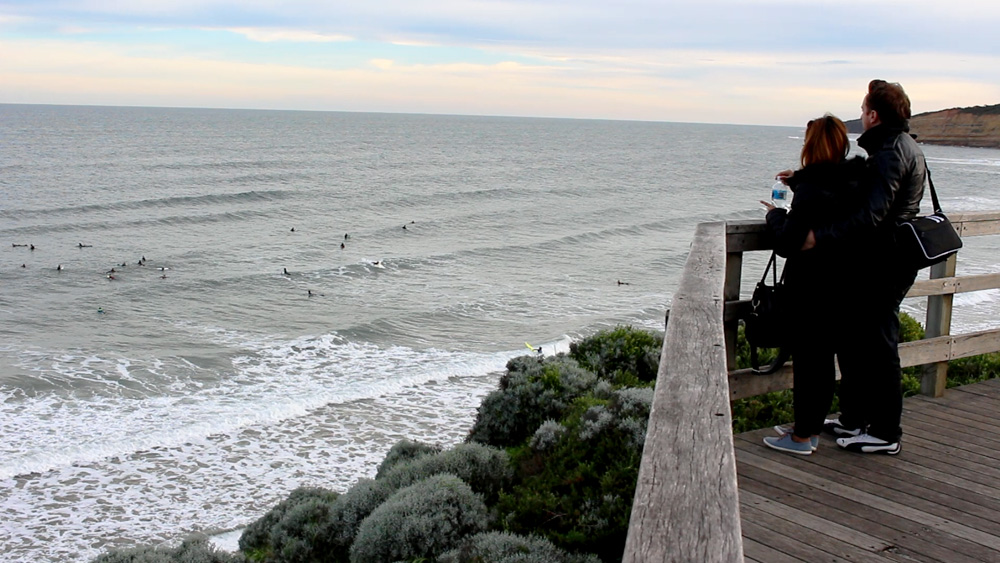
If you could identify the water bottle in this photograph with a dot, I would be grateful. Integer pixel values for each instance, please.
(779, 195)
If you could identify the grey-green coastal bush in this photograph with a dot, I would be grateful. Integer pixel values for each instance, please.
(319, 531)
(504, 547)
(420, 521)
(577, 490)
(190, 551)
(530, 393)
(258, 534)
(402, 451)
(624, 356)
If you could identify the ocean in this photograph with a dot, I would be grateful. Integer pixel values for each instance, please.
(294, 292)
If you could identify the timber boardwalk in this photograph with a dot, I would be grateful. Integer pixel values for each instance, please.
(938, 500)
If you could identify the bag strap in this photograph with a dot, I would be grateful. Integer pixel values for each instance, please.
(934, 198)
(774, 273)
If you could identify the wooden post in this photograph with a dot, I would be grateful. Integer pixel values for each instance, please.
(938, 323)
(731, 292)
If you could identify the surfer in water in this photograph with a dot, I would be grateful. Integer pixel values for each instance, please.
(81, 245)
(285, 271)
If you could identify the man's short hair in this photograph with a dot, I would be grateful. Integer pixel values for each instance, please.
(890, 102)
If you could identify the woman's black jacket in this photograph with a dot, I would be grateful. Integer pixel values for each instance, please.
(824, 194)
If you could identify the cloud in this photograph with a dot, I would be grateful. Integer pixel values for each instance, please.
(728, 61)
(288, 35)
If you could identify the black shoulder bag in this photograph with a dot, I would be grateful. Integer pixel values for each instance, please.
(924, 241)
(767, 324)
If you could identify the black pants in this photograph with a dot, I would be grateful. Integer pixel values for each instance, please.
(814, 381)
(871, 392)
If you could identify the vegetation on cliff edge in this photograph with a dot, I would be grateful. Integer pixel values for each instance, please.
(546, 475)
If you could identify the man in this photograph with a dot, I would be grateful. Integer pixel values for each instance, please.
(871, 396)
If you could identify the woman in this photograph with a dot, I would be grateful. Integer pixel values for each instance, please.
(827, 188)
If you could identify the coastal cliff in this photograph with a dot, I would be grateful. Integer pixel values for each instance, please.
(977, 126)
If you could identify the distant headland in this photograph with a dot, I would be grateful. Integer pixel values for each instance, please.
(977, 126)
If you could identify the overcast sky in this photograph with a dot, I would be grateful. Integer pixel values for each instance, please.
(777, 62)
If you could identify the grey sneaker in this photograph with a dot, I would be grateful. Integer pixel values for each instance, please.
(833, 426)
(783, 429)
(868, 444)
(785, 444)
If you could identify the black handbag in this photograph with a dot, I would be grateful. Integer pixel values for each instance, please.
(925, 241)
(767, 324)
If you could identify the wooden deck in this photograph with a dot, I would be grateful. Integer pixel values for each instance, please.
(938, 500)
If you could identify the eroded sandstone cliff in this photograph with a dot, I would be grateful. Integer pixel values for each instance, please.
(977, 126)
(970, 127)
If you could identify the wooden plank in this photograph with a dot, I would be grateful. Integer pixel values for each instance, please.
(783, 535)
(885, 481)
(925, 351)
(748, 235)
(890, 538)
(756, 551)
(743, 383)
(894, 508)
(977, 228)
(964, 421)
(976, 343)
(964, 461)
(954, 284)
(838, 542)
(958, 399)
(689, 440)
(902, 481)
(974, 216)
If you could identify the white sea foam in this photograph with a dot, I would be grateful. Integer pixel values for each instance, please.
(310, 411)
(275, 380)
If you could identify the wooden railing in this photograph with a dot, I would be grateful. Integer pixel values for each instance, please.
(686, 505)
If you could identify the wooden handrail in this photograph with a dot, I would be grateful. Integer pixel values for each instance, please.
(686, 505)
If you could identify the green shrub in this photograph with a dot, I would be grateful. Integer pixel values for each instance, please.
(487, 469)
(312, 528)
(538, 391)
(577, 491)
(190, 551)
(307, 534)
(972, 370)
(421, 520)
(256, 540)
(504, 547)
(404, 450)
(624, 356)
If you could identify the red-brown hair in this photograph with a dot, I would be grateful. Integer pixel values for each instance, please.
(826, 141)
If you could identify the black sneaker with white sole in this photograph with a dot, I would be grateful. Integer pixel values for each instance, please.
(833, 426)
(868, 444)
